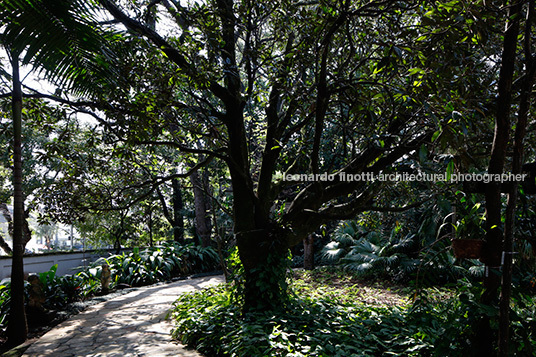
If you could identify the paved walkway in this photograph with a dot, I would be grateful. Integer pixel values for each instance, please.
(129, 325)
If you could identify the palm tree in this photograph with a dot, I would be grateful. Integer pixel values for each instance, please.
(59, 38)
(17, 327)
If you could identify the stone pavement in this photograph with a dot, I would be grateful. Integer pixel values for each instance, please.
(133, 324)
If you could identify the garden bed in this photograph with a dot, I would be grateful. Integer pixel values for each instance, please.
(333, 314)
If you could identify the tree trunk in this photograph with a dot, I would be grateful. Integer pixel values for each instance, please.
(517, 167)
(118, 234)
(150, 224)
(201, 227)
(117, 244)
(219, 244)
(17, 329)
(207, 194)
(491, 252)
(178, 207)
(264, 257)
(309, 252)
(5, 247)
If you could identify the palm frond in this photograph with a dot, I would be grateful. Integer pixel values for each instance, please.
(61, 40)
(477, 270)
(331, 252)
(359, 268)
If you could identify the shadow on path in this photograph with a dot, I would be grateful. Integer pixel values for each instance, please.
(129, 325)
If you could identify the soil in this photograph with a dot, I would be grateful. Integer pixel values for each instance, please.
(343, 287)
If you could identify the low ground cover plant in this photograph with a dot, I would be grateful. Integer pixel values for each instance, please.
(435, 322)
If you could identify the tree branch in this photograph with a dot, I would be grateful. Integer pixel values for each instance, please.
(184, 148)
(173, 54)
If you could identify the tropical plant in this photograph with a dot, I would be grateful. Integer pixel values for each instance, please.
(318, 326)
(152, 264)
(415, 248)
(62, 48)
(5, 303)
(373, 254)
(470, 217)
(59, 290)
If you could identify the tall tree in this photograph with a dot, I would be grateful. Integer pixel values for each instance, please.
(178, 208)
(280, 88)
(529, 78)
(17, 329)
(491, 254)
(24, 23)
(252, 75)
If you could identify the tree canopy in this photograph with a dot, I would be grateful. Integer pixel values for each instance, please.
(278, 92)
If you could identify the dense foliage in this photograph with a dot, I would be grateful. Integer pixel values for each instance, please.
(267, 108)
(267, 89)
(433, 325)
(159, 263)
(414, 245)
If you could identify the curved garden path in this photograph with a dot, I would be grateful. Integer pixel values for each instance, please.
(133, 324)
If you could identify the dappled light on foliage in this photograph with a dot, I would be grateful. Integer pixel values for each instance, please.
(371, 136)
(435, 324)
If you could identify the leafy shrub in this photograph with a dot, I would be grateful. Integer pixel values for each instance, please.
(5, 301)
(59, 290)
(310, 327)
(153, 264)
(270, 278)
(90, 280)
(372, 253)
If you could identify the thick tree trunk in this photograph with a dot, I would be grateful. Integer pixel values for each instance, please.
(262, 248)
(201, 227)
(17, 329)
(263, 253)
(178, 207)
(309, 252)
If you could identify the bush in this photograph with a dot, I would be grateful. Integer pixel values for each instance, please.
(153, 264)
(397, 256)
(137, 268)
(60, 290)
(5, 301)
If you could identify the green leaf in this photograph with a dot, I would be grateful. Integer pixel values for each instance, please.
(436, 135)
